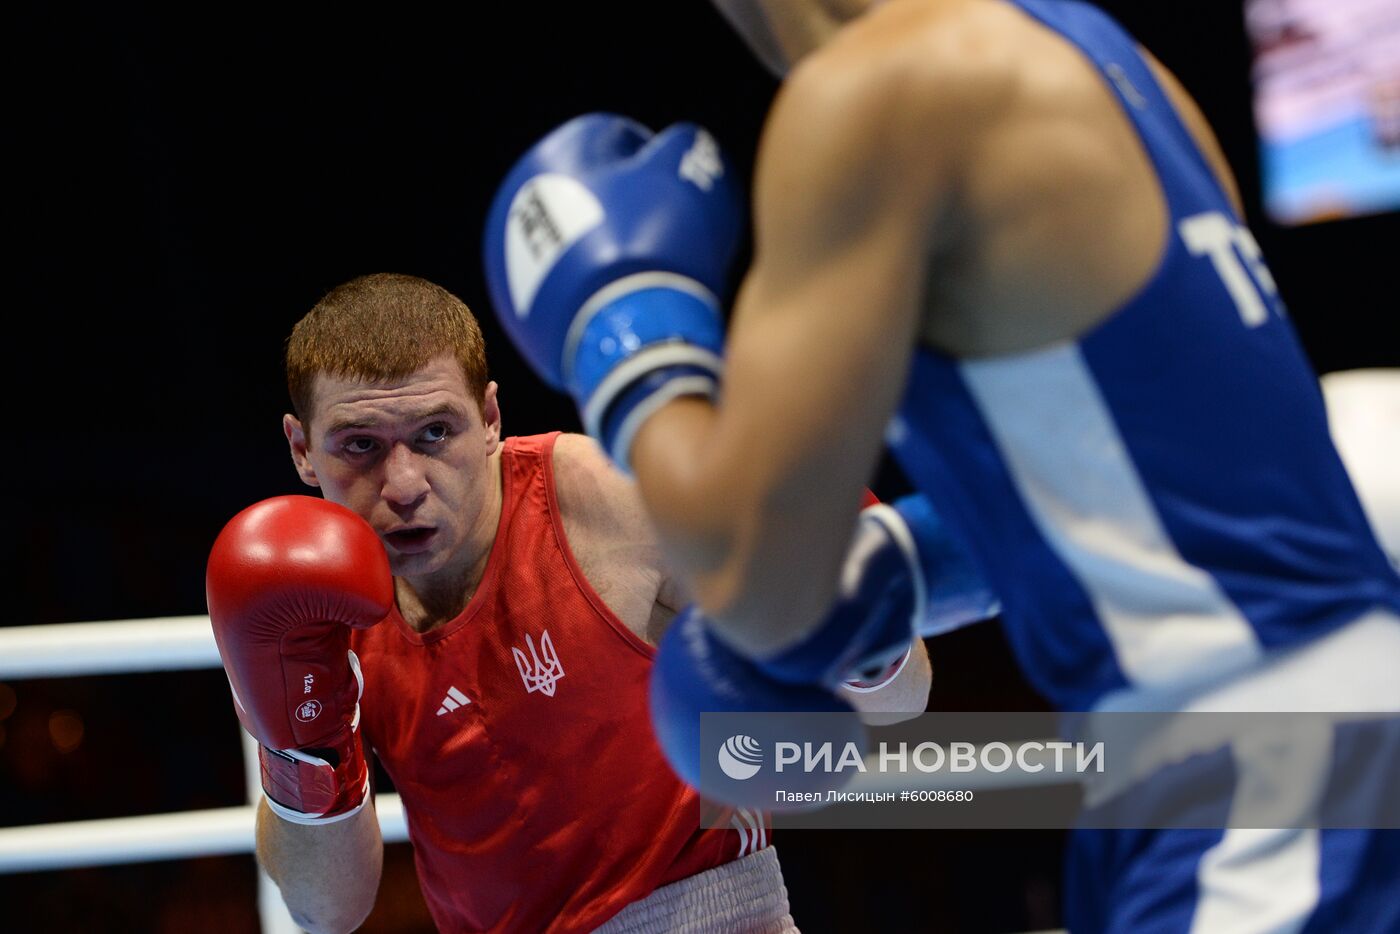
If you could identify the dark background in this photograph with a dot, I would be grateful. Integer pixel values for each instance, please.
(184, 185)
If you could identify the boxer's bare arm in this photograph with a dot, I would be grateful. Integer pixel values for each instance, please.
(612, 538)
(328, 873)
(756, 500)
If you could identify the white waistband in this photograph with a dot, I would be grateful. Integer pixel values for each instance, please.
(746, 896)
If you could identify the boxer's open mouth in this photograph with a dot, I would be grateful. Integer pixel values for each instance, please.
(408, 541)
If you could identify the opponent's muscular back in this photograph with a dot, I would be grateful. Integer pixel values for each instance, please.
(999, 220)
(1109, 399)
(1059, 215)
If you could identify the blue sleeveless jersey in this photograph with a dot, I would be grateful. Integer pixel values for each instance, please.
(1158, 502)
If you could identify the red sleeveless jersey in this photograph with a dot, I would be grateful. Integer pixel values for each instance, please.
(517, 736)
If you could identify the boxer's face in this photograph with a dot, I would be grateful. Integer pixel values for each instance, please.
(412, 457)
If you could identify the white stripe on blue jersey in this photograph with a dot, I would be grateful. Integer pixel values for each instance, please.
(1168, 621)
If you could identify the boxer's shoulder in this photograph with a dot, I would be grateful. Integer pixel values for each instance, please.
(905, 59)
(592, 493)
(608, 531)
(905, 91)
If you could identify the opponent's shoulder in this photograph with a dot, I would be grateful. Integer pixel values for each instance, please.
(907, 82)
(904, 63)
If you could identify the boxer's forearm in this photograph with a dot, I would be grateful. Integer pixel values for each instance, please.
(328, 873)
(756, 499)
(760, 558)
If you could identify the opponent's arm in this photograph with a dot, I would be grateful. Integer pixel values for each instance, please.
(756, 497)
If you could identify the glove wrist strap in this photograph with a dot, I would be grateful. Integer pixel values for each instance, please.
(638, 343)
(869, 682)
(321, 785)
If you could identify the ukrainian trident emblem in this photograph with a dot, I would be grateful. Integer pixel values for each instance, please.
(541, 670)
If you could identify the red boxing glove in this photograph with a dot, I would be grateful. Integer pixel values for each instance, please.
(287, 578)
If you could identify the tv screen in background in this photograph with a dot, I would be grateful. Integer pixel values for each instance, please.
(1327, 103)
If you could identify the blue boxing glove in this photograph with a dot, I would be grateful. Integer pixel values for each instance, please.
(606, 250)
(905, 577)
(732, 756)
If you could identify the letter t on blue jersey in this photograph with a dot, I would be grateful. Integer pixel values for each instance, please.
(606, 251)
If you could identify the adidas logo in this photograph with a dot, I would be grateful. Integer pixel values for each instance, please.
(452, 701)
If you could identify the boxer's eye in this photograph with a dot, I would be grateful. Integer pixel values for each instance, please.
(359, 446)
(436, 433)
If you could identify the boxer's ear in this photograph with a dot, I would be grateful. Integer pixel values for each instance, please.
(296, 441)
(491, 415)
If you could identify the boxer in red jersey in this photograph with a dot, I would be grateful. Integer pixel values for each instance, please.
(505, 692)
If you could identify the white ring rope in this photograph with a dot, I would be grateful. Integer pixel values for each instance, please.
(214, 832)
(172, 643)
(128, 646)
